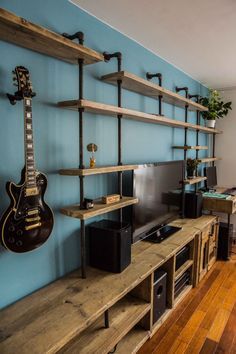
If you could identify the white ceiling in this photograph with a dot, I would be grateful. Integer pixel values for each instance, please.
(197, 36)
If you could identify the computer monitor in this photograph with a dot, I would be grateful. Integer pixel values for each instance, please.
(210, 174)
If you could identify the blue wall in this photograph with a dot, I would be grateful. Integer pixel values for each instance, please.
(56, 132)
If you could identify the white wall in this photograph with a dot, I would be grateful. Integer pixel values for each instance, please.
(226, 146)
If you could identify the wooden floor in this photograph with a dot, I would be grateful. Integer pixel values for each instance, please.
(205, 322)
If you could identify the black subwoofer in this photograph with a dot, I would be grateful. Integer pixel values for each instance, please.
(159, 294)
(110, 245)
(193, 205)
(224, 245)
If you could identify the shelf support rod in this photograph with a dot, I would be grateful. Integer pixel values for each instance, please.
(80, 36)
(108, 57)
(178, 89)
(197, 131)
(150, 76)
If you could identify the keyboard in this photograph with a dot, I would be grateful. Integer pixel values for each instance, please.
(216, 195)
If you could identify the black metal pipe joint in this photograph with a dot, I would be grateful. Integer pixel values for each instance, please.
(109, 56)
(77, 35)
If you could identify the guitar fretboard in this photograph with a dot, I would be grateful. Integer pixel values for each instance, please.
(29, 145)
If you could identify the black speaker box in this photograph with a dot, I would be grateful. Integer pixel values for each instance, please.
(110, 245)
(159, 294)
(193, 205)
(224, 245)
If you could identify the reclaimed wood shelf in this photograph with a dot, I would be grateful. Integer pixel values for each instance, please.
(124, 315)
(161, 320)
(148, 88)
(21, 32)
(194, 180)
(183, 268)
(187, 147)
(105, 109)
(99, 208)
(133, 341)
(209, 159)
(96, 170)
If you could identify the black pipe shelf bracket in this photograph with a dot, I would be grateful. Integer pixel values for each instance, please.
(150, 76)
(77, 35)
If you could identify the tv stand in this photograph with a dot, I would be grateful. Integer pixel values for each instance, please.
(159, 234)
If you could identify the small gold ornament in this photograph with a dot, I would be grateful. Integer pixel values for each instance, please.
(92, 148)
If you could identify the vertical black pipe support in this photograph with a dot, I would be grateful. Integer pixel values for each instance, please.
(81, 162)
(150, 76)
(197, 131)
(178, 89)
(213, 147)
(107, 57)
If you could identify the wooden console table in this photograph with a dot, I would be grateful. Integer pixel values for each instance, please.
(67, 315)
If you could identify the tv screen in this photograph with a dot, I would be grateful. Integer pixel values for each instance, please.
(159, 190)
(210, 174)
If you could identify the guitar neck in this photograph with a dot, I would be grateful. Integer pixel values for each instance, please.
(30, 175)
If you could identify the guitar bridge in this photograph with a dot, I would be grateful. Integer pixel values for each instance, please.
(30, 227)
(31, 191)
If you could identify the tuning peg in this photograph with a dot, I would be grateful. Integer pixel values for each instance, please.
(14, 78)
(15, 85)
(13, 72)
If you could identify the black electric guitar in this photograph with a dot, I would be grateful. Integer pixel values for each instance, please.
(28, 221)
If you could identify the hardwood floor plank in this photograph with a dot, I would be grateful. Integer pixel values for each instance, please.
(197, 341)
(209, 347)
(218, 325)
(227, 338)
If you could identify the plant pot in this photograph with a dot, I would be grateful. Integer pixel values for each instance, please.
(211, 123)
(191, 174)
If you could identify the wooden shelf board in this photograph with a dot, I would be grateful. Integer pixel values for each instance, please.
(194, 180)
(133, 341)
(96, 170)
(23, 33)
(209, 159)
(182, 295)
(161, 320)
(183, 268)
(187, 147)
(148, 88)
(124, 315)
(105, 109)
(98, 209)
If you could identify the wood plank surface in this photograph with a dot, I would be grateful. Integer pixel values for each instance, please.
(98, 339)
(188, 147)
(132, 341)
(96, 170)
(209, 159)
(151, 89)
(113, 111)
(23, 33)
(99, 208)
(194, 180)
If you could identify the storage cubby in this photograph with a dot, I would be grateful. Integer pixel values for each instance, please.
(122, 317)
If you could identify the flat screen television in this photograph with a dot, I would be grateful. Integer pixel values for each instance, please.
(158, 187)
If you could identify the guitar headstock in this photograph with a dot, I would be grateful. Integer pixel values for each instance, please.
(21, 78)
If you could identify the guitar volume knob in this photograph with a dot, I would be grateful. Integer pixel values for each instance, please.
(11, 228)
(19, 233)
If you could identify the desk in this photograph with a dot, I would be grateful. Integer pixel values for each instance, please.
(227, 206)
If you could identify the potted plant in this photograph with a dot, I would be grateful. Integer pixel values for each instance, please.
(192, 165)
(216, 108)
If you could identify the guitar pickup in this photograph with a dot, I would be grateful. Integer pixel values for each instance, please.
(31, 191)
(32, 212)
(30, 227)
(37, 218)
